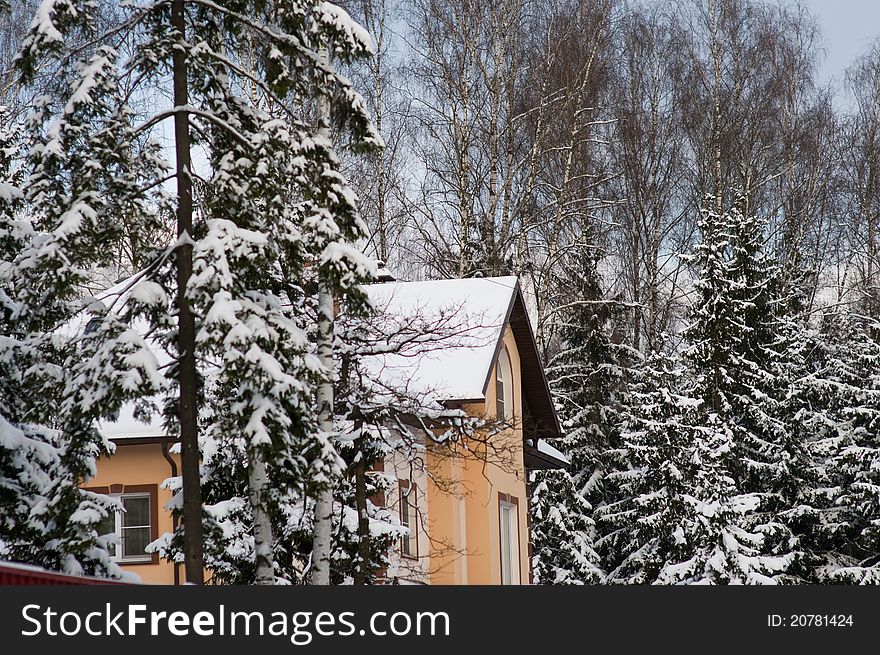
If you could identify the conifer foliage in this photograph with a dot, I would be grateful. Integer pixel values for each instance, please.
(270, 201)
(563, 532)
(47, 520)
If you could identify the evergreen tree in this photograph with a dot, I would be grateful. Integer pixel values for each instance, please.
(658, 438)
(681, 517)
(722, 548)
(740, 351)
(587, 378)
(563, 532)
(846, 384)
(271, 201)
(47, 519)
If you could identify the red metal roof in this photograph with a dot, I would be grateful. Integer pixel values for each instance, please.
(24, 574)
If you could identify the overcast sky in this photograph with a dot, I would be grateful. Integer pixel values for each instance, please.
(849, 27)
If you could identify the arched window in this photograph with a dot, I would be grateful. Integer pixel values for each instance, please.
(503, 386)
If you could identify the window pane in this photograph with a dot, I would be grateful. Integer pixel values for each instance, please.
(505, 544)
(137, 511)
(408, 543)
(134, 541)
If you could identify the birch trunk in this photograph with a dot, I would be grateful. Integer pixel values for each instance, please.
(320, 574)
(258, 485)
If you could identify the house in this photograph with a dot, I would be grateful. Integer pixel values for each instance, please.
(466, 508)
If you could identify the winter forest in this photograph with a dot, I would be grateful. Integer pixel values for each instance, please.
(691, 213)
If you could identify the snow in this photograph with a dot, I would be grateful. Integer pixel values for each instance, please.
(44, 24)
(127, 426)
(468, 315)
(547, 449)
(452, 363)
(337, 18)
(135, 289)
(8, 193)
(89, 79)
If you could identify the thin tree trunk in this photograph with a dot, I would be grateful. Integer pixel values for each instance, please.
(380, 156)
(714, 21)
(258, 485)
(324, 502)
(361, 573)
(186, 334)
(320, 574)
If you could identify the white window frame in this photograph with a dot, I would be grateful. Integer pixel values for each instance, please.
(409, 544)
(117, 548)
(508, 537)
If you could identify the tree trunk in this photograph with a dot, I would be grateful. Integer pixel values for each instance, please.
(361, 574)
(718, 184)
(186, 335)
(258, 485)
(324, 502)
(382, 225)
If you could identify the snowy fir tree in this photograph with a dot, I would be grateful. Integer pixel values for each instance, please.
(74, 184)
(739, 354)
(681, 518)
(562, 532)
(586, 377)
(845, 383)
(721, 548)
(658, 438)
(47, 519)
(226, 299)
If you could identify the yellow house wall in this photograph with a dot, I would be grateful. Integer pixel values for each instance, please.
(139, 465)
(470, 517)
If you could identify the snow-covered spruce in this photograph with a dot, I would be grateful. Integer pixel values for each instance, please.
(47, 520)
(587, 377)
(270, 201)
(845, 383)
(743, 357)
(563, 532)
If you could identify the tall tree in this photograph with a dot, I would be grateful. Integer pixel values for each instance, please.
(845, 384)
(47, 519)
(271, 199)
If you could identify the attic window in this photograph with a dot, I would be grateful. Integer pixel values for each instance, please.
(503, 386)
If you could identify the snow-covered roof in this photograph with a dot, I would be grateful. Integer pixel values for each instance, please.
(453, 328)
(126, 426)
(468, 317)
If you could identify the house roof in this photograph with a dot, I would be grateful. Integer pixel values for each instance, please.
(453, 366)
(458, 370)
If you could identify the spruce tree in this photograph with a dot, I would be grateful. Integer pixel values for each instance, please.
(846, 384)
(738, 357)
(658, 438)
(269, 202)
(681, 519)
(47, 519)
(562, 532)
(586, 378)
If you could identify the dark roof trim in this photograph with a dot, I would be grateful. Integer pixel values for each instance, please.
(537, 460)
(141, 441)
